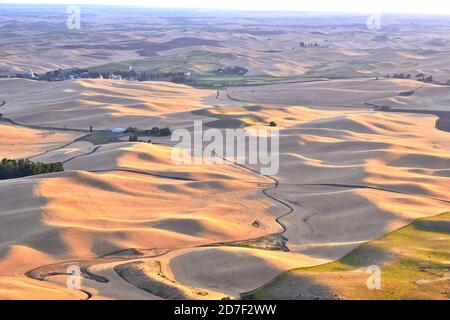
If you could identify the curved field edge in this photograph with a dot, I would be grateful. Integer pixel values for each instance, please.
(414, 264)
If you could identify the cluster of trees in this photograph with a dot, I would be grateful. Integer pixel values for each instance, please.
(400, 76)
(184, 77)
(309, 45)
(154, 132)
(424, 78)
(384, 108)
(58, 75)
(77, 73)
(420, 77)
(233, 70)
(10, 169)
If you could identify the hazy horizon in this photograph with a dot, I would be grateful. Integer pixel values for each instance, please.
(327, 6)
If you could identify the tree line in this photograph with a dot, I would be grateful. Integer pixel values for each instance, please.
(154, 132)
(11, 169)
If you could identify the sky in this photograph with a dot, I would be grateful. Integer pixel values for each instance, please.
(363, 6)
